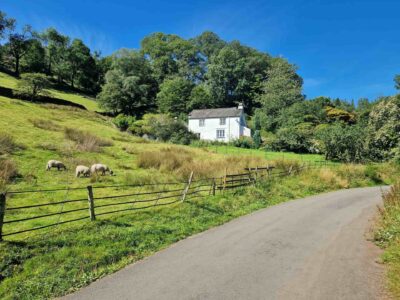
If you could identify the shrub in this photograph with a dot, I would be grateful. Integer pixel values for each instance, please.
(244, 142)
(8, 145)
(45, 124)
(32, 85)
(123, 122)
(257, 139)
(86, 141)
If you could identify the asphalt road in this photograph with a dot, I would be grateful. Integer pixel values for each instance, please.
(312, 248)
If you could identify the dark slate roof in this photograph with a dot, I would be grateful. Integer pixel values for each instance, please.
(215, 113)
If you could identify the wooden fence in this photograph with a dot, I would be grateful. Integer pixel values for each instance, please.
(65, 205)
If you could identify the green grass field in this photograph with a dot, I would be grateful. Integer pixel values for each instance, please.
(88, 102)
(54, 261)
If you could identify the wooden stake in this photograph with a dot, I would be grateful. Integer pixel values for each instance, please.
(2, 213)
(187, 187)
(91, 203)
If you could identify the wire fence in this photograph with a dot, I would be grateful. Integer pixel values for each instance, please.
(60, 206)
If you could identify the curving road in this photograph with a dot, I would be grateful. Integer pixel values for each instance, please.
(312, 248)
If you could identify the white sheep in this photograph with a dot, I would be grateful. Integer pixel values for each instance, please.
(55, 164)
(100, 168)
(82, 170)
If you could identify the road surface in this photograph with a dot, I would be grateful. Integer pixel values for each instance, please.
(312, 248)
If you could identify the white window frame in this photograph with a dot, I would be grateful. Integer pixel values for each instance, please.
(222, 121)
(219, 136)
(202, 122)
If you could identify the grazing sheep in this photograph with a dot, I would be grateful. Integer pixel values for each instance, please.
(100, 168)
(55, 164)
(82, 170)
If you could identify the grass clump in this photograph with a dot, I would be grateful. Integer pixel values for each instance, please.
(388, 236)
(8, 145)
(86, 141)
(45, 124)
(8, 171)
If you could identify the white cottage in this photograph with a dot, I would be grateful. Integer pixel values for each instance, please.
(219, 124)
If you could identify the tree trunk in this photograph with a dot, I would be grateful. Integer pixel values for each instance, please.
(17, 66)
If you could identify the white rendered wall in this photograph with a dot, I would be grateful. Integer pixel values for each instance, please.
(232, 129)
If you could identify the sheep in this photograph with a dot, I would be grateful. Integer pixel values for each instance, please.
(82, 170)
(100, 168)
(55, 164)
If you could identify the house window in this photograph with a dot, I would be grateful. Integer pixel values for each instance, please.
(201, 122)
(222, 121)
(220, 133)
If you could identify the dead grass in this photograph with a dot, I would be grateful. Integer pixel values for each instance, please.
(86, 141)
(181, 162)
(45, 124)
(8, 171)
(8, 145)
(47, 146)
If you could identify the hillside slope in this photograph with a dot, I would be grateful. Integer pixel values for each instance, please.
(88, 102)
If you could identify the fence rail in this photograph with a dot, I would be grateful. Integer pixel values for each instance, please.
(98, 201)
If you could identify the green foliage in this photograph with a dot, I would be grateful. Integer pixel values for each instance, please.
(244, 142)
(5, 24)
(342, 142)
(200, 98)
(32, 85)
(282, 89)
(257, 139)
(123, 122)
(397, 82)
(174, 96)
(337, 114)
(384, 129)
(130, 87)
(296, 138)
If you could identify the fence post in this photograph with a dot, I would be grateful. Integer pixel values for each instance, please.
(256, 177)
(2, 213)
(91, 203)
(187, 187)
(213, 187)
(223, 188)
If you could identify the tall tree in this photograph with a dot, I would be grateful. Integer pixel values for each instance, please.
(282, 89)
(235, 75)
(170, 55)
(130, 87)
(174, 96)
(397, 82)
(18, 45)
(208, 43)
(81, 65)
(5, 24)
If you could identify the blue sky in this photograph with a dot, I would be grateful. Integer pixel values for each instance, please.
(346, 49)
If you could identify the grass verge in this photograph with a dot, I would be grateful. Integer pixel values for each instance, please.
(388, 237)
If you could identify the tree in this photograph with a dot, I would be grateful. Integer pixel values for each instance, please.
(56, 51)
(32, 85)
(257, 139)
(343, 142)
(384, 128)
(200, 98)
(208, 43)
(235, 75)
(282, 89)
(130, 87)
(174, 96)
(18, 45)
(5, 24)
(170, 55)
(81, 65)
(34, 61)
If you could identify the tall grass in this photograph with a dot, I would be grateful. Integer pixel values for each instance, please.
(45, 124)
(8, 171)
(8, 145)
(388, 236)
(85, 141)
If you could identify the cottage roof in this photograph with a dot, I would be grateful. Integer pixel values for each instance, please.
(215, 113)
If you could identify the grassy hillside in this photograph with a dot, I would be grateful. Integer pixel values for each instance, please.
(88, 102)
(54, 261)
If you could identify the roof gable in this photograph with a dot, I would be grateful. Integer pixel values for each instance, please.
(215, 113)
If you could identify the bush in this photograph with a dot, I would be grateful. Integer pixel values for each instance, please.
(86, 141)
(244, 142)
(32, 85)
(257, 139)
(163, 128)
(295, 138)
(123, 122)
